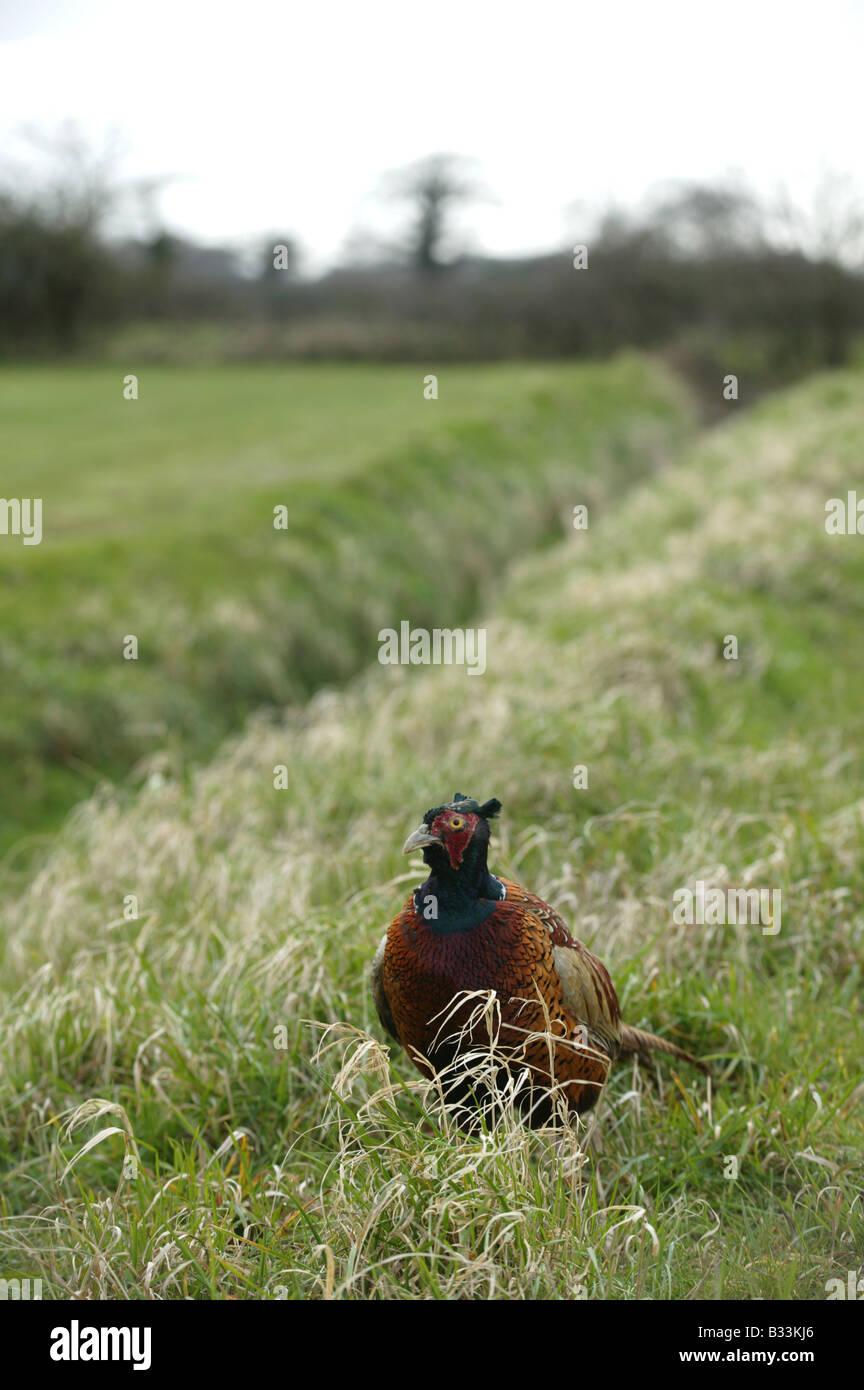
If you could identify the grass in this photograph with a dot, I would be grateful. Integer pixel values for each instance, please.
(198, 1102)
(158, 518)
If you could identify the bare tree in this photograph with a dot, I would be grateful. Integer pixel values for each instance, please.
(828, 228)
(433, 186)
(829, 234)
(709, 220)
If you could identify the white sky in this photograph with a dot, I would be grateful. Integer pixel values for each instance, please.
(284, 116)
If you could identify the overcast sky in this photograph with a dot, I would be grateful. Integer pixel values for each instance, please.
(284, 116)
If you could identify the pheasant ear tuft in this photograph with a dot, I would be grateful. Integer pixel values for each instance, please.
(459, 797)
(490, 808)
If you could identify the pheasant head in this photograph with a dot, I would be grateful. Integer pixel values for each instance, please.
(449, 832)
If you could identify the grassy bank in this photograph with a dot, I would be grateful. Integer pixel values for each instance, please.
(303, 1163)
(158, 520)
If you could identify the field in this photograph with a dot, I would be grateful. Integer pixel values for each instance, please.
(159, 522)
(198, 1102)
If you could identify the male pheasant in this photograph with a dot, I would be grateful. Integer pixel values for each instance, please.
(464, 931)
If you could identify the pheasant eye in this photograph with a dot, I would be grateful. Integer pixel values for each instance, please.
(456, 823)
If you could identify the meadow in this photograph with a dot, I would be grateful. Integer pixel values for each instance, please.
(158, 519)
(198, 1101)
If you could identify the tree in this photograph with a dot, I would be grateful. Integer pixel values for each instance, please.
(54, 274)
(434, 186)
(830, 235)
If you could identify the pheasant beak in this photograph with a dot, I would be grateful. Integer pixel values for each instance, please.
(420, 837)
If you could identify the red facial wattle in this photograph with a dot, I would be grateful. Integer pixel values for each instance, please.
(455, 838)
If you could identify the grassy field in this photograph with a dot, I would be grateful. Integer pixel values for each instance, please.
(198, 1102)
(158, 521)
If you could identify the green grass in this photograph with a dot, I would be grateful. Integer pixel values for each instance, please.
(324, 1168)
(158, 522)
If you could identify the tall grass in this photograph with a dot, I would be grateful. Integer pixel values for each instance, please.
(222, 1045)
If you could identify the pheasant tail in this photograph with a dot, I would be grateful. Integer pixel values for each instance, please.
(638, 1041)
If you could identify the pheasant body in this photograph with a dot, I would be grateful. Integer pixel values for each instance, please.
(556, 1021)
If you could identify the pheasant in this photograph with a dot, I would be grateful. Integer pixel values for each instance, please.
(556, 1022)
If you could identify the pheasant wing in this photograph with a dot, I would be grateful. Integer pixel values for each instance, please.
(379, 995)
(587, 990)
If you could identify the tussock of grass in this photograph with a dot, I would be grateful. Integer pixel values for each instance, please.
(324, 1167)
